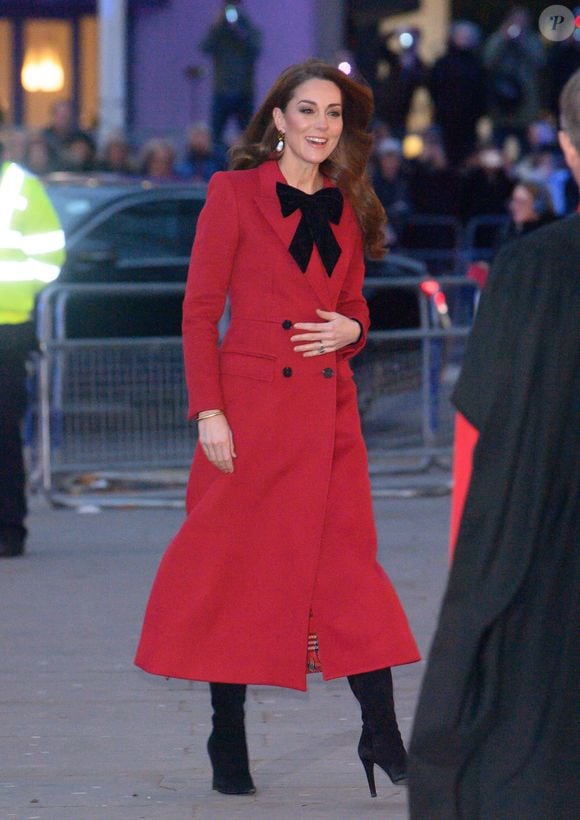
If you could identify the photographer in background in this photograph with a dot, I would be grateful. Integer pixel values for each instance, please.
(233, 43)
(513, 56)
(400, 73)
(457, 87)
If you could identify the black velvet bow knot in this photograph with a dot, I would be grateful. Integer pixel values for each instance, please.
(318, 210)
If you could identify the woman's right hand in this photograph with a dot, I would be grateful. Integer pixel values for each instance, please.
(217, 442)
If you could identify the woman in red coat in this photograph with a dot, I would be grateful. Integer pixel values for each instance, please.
(277, 555)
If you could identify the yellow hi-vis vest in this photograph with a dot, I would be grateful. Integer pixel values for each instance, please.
(32, 246)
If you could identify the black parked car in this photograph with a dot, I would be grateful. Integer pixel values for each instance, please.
(124, 230)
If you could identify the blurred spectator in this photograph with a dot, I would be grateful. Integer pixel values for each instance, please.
(530, 207)
(59, 133)
(391, 185)
(457, 88)
(115, 157)
(37, 156)
(544, 164)
(542, 135)
(404, 72)
(380, 131)
(158, 160)
(79, 153)
(485, 187)
(514, 56)
(538, 164)
(14, 140)
(362, 39)
(433, 184)
(511, 154)
(563, 61)
(234, 45)
(201, 159)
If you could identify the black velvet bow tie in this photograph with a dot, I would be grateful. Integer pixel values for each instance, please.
(318, 210)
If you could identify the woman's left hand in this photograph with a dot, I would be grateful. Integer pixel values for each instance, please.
(334, 332)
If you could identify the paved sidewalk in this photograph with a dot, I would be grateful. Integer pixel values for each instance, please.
(86, 736)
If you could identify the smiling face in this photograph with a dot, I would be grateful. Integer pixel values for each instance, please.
(312, 124)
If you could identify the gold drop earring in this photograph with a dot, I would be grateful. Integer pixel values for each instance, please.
(280, 143)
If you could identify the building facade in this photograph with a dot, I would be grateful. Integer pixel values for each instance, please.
(59, 49)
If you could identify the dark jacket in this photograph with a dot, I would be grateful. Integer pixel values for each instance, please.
(496, 732)
(234, 49)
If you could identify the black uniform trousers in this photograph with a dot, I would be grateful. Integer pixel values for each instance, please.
(16, 344)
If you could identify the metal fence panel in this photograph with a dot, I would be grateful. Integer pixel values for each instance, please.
(121, 404)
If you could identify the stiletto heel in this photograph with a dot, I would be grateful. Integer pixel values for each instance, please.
(380, 742)
(369, 767)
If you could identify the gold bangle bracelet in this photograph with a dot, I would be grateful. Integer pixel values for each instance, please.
(209, 415)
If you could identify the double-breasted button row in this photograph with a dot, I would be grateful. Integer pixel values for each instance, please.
(328, 372)
(287, 371)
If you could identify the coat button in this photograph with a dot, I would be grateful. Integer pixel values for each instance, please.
(328, 372)
(286, 324)
(287, 372)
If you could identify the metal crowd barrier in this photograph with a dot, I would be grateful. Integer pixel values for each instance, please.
(111, 412)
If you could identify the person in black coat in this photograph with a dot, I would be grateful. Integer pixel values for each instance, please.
(457, 88)
(485, 187)
(390, 184)
(496, 733)
(234, 45)
(433, 183)
(562, 61)
(403, 72)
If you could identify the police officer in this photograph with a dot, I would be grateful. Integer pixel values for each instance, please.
(31, 255)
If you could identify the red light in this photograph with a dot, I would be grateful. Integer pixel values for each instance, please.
(577, 21)
(440, 302)
(429, 287)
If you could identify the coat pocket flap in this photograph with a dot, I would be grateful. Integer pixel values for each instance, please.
(251, 365)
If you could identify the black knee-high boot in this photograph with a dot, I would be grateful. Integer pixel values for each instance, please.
(227, 746)
(380, 741)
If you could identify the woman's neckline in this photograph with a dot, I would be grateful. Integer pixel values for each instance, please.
(325, 181)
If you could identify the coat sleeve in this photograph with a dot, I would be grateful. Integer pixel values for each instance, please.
(210, 269)
(351, 301)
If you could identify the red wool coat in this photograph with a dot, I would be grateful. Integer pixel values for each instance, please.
(291, 531)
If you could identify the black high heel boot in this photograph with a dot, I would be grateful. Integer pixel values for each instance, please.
(227, 746)
(380, 742)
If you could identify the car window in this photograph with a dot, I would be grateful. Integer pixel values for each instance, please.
(75, 203)
(163, 228)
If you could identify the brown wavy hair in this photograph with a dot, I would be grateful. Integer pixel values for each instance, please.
(346, 166)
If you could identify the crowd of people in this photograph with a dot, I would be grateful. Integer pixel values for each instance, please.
(493, 128)
(493, 124)
(63, 146)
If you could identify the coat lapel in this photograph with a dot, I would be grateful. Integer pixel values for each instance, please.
(344, 236)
